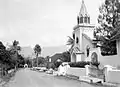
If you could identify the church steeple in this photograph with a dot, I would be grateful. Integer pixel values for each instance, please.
(83, 16)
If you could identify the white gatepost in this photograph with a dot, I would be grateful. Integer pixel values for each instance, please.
(87, 70)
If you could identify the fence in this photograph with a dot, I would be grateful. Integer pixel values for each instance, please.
(76, 71)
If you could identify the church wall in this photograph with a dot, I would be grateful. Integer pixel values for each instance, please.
(118, 46)
(73, 57)
(88, 31)
(77, 34)
(85, 43)
(106, 60)
(79, 57)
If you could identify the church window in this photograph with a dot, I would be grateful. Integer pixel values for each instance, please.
(73, 36)
(85, 19)
(94, 57)
(78, 21)
(87, 50)
(77, 40)
(88, 19)
(81, 19)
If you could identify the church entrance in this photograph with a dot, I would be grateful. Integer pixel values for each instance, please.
(73, 57)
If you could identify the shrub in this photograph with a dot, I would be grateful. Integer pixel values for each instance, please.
(79, 64)
(50, 65)
(57, 64)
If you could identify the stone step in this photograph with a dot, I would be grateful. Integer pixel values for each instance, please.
(90, 79)
(111, 84)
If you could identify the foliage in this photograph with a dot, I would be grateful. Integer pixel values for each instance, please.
(41, 61)
(37, 49)
(79, 64)
(109, 29)
(28, 61)
(66, 56)
(57, 64)
(70, 42)
(14, 52)
(6, 62)
(50, 65)
(21, 61)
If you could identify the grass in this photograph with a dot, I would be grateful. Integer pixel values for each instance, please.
(5, 79)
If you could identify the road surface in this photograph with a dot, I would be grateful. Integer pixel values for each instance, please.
(29, 78)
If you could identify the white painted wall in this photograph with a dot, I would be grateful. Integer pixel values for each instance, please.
(76, 71)
(106, 60)
(78, 58)
(113, 76)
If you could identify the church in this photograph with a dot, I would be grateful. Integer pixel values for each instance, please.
(84, 46)
(82, 35)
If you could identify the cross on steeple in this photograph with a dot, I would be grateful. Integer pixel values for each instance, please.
(83, 16)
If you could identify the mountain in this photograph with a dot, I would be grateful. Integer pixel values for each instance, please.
(27, 52)
(50, 51)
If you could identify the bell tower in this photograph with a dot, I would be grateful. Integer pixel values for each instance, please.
(82, 34)
(83, 16)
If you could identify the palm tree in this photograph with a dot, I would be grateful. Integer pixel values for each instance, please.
(37, 50)
(70, 42)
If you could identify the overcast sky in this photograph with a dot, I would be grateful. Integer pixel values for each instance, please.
(44, 22)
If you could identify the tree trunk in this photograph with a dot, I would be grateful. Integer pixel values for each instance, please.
(37, 59)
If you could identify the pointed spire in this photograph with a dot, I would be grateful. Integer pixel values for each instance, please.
(83, 16)
(83, 11)
(82, 1)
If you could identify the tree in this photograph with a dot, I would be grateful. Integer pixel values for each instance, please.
(37, 50)
(40, 60)
(70, 42)
(20, 61)
(5, 59)
(14, 50)
(28, 61)
(66, 56)
(108, 30)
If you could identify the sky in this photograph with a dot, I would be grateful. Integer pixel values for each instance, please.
(44, 22)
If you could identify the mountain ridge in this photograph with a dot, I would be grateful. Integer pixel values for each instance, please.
(51, 50)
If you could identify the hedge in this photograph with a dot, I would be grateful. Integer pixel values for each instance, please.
(79, 64)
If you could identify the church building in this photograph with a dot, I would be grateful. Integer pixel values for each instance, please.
(82, 35)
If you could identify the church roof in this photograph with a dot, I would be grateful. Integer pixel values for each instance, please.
(87, 37)
(83, 11)
(77, 50)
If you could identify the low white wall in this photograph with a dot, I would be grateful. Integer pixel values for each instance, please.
(76, 71)
(113, 76)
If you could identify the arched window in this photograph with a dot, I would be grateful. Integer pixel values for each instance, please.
(94, 57)
(73, 35)
(81, 19)
(86, 19)
(88, 50)
(77, 40)
(78, 21)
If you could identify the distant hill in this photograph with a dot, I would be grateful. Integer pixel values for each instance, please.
(27, 51)
(50, 51)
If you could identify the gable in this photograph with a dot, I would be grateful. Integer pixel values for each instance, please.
(87, 37)
(86, 42)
